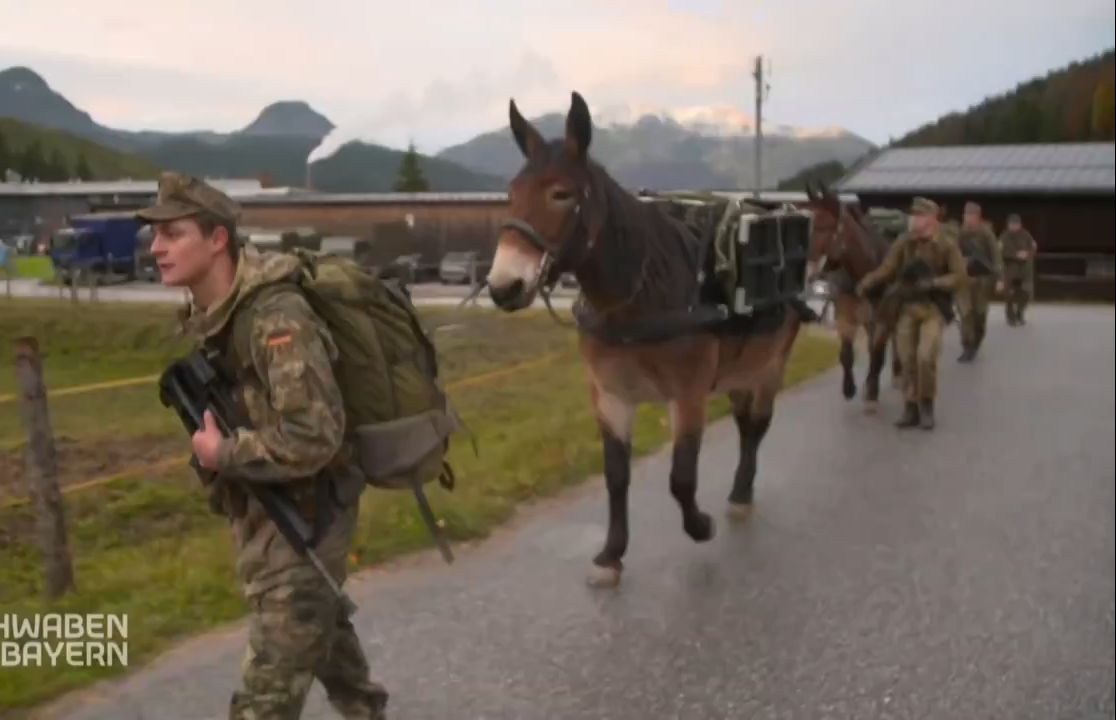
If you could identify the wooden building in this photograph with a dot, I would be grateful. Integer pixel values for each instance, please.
(1065, 194)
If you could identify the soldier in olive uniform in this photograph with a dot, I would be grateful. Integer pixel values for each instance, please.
(930, 267)
(1018, 250)
(978, 247)
(298, 630)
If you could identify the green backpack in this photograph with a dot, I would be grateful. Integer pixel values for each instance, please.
(396, 412)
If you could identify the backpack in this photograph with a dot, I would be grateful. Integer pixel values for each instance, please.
(396, 413)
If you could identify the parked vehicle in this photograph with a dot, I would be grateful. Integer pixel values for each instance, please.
(410, 269)
(103, 245)
(146, 269)
(462, 268)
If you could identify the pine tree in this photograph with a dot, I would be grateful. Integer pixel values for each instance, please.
(6, 159)
(32, 165)
(1103, 101)
(410, 178)
(57, 169)
(82, 169)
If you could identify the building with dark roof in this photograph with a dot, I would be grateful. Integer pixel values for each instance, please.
(1065, 193)
(39, 208)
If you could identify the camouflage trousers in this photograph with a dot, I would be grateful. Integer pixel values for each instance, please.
(297, 632)
(1015, 301)
(918, 339)
(972, 303)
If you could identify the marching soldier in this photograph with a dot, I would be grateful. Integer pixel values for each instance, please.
(983, 268)
(298, 631)
(929, 267)
(1018, 249)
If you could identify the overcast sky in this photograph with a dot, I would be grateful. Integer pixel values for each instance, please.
(441, 71)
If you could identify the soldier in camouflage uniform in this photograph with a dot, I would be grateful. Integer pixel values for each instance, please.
(925, 305)
(978, 247)
(297, 630)
(1018, 250)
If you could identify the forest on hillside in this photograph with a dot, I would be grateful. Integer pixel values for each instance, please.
(1071, 104)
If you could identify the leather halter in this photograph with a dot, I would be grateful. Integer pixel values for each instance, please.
(573, 248)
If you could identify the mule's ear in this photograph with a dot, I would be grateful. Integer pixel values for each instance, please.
(526, 136)
(579, 127)
(811, 194)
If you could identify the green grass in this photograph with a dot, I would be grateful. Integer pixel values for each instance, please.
(147, 546)
(105, 163)
(34, 266)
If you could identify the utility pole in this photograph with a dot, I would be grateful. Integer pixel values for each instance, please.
(761, 92)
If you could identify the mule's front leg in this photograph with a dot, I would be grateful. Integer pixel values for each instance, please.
(615, 419)
(689, 422)
(752, 421)
(848, 382)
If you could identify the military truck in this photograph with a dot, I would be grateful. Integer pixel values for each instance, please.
(101, 245)
(282, 240)
(888, 222)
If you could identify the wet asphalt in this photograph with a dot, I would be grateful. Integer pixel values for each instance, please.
(966, 573)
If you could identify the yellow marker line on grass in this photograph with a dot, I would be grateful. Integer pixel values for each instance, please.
(479, 379)
(93, 387)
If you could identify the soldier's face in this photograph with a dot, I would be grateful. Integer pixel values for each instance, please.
(923, 225)
(183, 253)
(971, 219)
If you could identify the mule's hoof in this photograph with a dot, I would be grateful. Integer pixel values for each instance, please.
(848, 390)
(700, 527)
(739, 511)
(603, 577)
(870, 407)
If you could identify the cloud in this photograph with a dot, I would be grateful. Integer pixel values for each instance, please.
(469, 99)
(391, 71)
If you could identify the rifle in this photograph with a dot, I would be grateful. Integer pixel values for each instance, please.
(909, 289)
(978, 267)
(192, 385)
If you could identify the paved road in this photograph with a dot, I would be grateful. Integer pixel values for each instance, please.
(962, 574)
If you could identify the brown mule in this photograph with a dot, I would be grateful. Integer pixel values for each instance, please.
(635, 264)
(843, 244)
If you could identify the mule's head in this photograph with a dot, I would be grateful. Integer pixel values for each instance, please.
(549, 229)
(829, 231)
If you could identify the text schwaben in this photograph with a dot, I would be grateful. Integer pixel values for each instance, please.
(74, 639)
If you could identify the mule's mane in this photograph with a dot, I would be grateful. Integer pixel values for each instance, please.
(642, 259)
(877, 243)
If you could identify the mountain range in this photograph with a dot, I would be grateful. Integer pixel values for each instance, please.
(693, 148)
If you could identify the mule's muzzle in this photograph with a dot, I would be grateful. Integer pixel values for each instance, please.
(510, 297)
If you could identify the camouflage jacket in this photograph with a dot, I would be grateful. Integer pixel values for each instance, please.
(286, 388)
(940, 252)
(980, 242)
(1012, 243)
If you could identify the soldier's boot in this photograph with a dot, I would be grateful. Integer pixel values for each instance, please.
(926, 415)
(910, 416)
(967, 355)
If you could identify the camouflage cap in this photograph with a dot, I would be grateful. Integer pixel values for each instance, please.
(924, 206)
(183, 196)
(972, 207)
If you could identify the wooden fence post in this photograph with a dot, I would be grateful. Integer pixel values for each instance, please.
(42, 469)
(92, 277)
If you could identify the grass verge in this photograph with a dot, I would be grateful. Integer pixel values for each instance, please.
(34, 266)
(147, 546)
